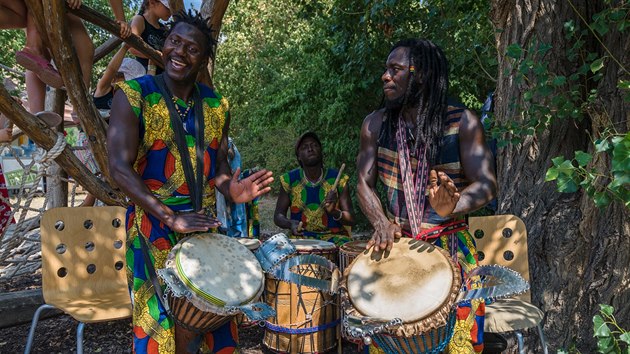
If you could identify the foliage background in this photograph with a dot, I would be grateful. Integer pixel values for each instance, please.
(292, 66)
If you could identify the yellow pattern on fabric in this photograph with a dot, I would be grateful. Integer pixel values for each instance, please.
(141, 317)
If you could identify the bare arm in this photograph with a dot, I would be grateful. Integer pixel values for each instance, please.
(345, 205)
(384, 230)
(137, 27)
(123, 142)
(104, 84)
(119, 15)
(478, 164)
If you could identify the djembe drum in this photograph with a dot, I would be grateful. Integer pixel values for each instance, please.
(405, 299)
(209, 279)
(307, 318)
(409, 293)
(349, 251)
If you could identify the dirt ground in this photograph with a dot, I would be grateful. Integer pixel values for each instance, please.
(58, 334)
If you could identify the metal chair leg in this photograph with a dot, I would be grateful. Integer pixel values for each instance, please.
(31, 332)
(543, 342)
(519, 339)
(80, 327)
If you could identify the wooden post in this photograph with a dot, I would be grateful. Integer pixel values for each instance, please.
(56, 186)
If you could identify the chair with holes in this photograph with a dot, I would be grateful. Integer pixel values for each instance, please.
(502, 240)
(83, 266)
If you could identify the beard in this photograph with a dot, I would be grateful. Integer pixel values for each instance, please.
(411, 97)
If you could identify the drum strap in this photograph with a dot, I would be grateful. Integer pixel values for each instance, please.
(151, 270)
(195, 183)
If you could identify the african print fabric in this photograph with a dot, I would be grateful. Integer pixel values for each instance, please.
(159, 164)
(306, 205)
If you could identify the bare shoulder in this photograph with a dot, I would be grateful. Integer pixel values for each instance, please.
(372, 124)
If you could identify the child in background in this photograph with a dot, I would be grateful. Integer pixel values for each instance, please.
(146, 25)
(35, 57)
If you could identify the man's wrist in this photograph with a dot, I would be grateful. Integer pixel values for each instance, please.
(337, 214)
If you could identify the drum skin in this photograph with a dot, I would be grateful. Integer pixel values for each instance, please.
(252, 244)
(302, 307)
(416, 282)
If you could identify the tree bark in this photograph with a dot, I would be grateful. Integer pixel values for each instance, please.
(56, 185)
(37, 130)
(578, 254)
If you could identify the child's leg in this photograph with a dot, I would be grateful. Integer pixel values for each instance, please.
(12, 14)
(84, 47)
(35, 87)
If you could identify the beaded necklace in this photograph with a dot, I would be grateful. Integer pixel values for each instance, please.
(178, 103)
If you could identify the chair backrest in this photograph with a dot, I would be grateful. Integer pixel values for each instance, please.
(502, 240)
(83, 252)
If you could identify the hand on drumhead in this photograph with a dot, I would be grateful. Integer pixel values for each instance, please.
(384, 239)
(246, 189)
(193, 222)
(330, 203)
(296, 228)
(443, 196)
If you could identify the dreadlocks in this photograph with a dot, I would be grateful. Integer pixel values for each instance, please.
(427, 90)
(193, 18)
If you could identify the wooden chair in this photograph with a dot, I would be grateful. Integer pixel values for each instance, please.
(83, 266)
(502, 239)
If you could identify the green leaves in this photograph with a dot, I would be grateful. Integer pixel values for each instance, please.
(610, 337)
(514, 51)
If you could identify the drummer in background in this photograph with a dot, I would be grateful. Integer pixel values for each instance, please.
(146, 165)
(316, 210)
(455, 165)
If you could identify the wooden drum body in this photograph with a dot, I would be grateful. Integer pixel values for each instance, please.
(407, 294)
(307, 319)
(209, 279)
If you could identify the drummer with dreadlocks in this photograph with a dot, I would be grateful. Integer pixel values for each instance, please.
(433, 163)
(168, 142)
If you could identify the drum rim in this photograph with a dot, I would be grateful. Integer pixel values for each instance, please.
(436, 319)
(355, 250)
(329, 246)
(211, 300)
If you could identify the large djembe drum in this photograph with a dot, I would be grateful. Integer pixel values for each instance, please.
(307, 317)
(209, 279)
(405, 299)
(252, 244)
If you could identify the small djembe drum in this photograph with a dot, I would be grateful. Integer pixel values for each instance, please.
(307, 317)
(209, 279)
(405, 299)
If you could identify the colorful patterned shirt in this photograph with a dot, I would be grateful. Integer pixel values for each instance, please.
(306, 198)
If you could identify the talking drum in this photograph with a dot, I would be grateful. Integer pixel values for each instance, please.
(307, 318)
(403, 299)
(209, 279)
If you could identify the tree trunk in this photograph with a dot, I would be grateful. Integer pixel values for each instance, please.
(579, 254)
(56, 185)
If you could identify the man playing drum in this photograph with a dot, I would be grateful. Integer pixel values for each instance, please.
(318, 208)
(418, 143)
(169, 165)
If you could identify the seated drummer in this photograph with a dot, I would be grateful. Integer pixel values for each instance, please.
(455, 165)
(316, 209)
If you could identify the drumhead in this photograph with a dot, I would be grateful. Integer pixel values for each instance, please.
(252, 244)
(411, 282)
(308, 244)
(219, 269)
(353, 247)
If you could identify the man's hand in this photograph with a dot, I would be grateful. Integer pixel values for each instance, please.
(444, 196)
(296, 228)
(383, 238)
(257, 184)
(192, 222)
(330, 203)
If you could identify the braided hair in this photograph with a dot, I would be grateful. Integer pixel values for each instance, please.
(428, 86)
(193, 18)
